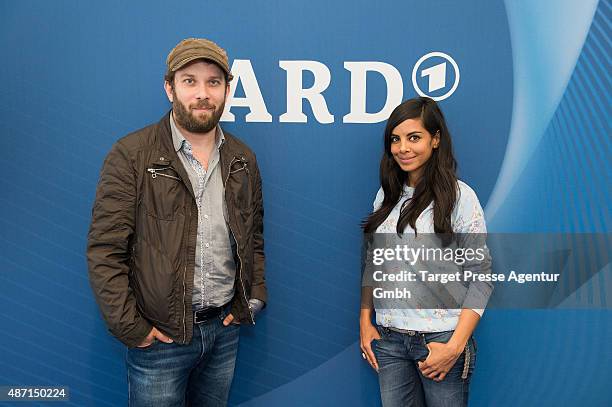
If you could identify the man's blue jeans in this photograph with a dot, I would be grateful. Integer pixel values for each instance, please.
(197, 374)
(402, 383)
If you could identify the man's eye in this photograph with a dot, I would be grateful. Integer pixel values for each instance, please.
(188, 81)
(215, 82)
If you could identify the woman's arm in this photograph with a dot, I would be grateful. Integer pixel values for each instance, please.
(367, 331)
(469, 224)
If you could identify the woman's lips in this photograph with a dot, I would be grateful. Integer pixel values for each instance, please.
(406, 160)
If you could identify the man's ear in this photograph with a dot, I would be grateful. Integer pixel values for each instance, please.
(168, 89)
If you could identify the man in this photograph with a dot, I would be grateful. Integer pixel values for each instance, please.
(175, 247)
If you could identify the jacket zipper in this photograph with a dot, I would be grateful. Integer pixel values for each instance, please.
(156, 171)
(237, 246)
(184, 308)
(185, 276)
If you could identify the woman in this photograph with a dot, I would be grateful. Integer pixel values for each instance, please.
(423, 356)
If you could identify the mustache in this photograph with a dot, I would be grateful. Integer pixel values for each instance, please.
(203, 104)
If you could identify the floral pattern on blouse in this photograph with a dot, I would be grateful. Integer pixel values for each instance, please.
(467, 217)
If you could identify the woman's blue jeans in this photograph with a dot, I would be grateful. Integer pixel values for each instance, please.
(402, 383)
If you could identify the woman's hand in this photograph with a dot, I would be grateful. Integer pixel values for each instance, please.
(441, 358)
(368, 333)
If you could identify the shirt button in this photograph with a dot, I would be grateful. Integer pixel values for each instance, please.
(207, 245)
(207, 274)
(205, 216)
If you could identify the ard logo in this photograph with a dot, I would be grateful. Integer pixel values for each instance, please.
(435, 75)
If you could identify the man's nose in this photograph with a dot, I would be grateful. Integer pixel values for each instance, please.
(201, 91)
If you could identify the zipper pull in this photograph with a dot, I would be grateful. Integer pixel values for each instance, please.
(153, 172)
(245, 164)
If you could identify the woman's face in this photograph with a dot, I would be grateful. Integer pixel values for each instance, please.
(411, 147)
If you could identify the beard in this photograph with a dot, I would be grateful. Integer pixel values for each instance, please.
(202, 123)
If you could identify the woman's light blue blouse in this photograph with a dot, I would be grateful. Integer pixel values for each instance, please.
(467, 217)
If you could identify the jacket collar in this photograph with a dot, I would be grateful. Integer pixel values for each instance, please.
(178, 140)
(229, 147)
(167, 154)
(230, 151)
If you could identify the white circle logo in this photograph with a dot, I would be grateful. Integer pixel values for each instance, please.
(436, 75)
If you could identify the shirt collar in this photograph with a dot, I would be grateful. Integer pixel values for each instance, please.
(178, 140)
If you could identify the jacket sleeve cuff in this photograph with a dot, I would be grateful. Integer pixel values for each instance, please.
(135, 337)
(238, 311)
(260, 293)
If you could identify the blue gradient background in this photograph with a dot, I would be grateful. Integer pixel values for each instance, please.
(530, 121)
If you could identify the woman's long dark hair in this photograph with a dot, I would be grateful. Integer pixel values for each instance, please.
(439, 180)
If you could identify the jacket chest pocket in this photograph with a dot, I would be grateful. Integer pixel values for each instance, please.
(239, 186)
(163, 194)
(243, 197)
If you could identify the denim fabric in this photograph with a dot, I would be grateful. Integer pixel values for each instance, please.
(197, 374)
(402, 383)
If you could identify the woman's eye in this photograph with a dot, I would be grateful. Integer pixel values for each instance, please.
(394, 139)
(414, 138)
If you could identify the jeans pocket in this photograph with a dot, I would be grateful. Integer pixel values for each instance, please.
(380, 330)
(149, 347)
(441, 337)
(437, 337)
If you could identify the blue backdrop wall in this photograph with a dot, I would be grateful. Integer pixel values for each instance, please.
(528, 104)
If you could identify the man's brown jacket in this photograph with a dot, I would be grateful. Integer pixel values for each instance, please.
(142, 238)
